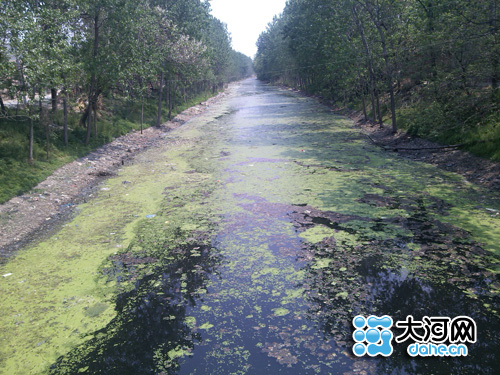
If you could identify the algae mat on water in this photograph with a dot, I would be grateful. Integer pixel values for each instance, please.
(247, 245)
(55, 293)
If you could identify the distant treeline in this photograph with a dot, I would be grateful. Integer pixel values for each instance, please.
(82, 51)
(431, 67)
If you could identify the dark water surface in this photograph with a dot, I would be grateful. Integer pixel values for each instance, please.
(290, 225)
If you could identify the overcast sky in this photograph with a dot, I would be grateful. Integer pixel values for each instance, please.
(246, 19)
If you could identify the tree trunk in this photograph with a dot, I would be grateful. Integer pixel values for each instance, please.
(170, 101)
(21, 78)
(158, 118)
(65, 109)
(30, 145)
(89, 113)
(95, 117)
(365, 115)
(168, 83)
(362, 92)
(53, 95)
(373, 93)
(45, 120)
(495, 63)
(93, 79)
(142, 114)
(2, 106)
(374, 108)
(428, 8)
(388, 76)
(379, 115)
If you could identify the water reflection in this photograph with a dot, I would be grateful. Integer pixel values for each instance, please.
(284, 303)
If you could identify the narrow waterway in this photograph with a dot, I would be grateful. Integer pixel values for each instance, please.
(246, 245)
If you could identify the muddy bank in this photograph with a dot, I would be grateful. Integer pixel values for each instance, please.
(29, 216)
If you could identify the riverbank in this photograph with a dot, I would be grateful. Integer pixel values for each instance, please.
(245, 238)
(450, 158)
(29, 216)
(446, 157)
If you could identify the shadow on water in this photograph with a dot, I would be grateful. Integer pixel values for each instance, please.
(150, 332)
(406, 295)
(256, 308)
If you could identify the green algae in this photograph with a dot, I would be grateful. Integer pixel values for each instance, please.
(321, 263)
(206, 326)
(59, 302)
(178, 352)
(96, 310)
(317, 234)
(280, 311)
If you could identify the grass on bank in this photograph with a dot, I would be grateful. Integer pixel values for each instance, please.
(479, 132)
(455, 119)
(116, 118)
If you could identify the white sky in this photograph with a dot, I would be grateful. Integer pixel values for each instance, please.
(246, 19)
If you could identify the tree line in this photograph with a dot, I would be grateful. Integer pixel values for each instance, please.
(82, 51)
(431, 66)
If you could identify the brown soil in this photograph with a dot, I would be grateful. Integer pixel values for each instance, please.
(29, 216)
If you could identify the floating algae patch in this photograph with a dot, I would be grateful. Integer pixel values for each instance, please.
(317, 233)
(162, 270)
(280, 311)
(364, 222)
(206, 326)
(380, 277)
(320, 263)
(96, 309)
(480, 223)
(256, 303)
(151, 331)
(362, 205)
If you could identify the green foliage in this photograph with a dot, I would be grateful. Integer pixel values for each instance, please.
(17, 175)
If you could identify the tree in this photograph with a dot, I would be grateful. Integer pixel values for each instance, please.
(40, 36)
(109, 47)
(438, 54)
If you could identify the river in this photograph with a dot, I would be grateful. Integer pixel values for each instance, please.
(246, 244)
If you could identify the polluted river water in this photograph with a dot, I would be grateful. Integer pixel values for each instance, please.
(246, 244)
